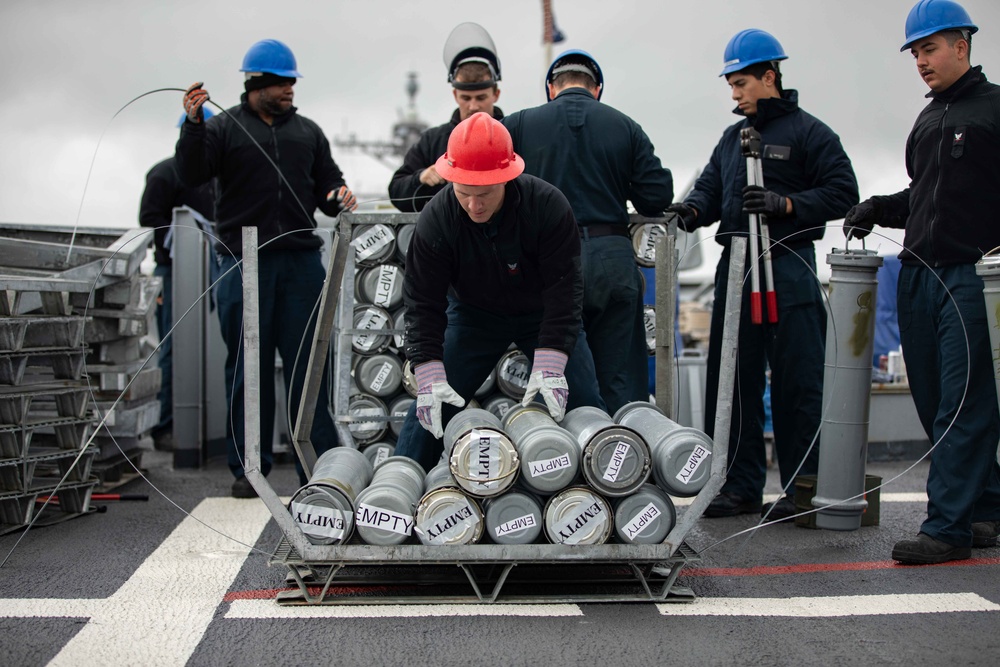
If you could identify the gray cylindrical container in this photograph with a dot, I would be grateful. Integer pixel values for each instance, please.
(488, 385)
(409, 379)
(616, 459)
(649, 322)
(500, 405)
(399, 322)
(324, 507)
(645, 517)
(385, 510)
(445, 515)
(512, 372)
(372, 244)
(513, 518)
(381, 285)
(364, 405)
(681, 454)
(550, 455)
(398, 408)
(375, 321)
(379, 375)
(404, 233)
(644, 238)
(988, 268)
(577, 515)
(847, 383)
(482, 457)
(378, 452)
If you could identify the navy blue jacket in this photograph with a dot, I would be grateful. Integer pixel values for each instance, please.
(164, 192)
(802, 159)
(251, 192)
(599, 157)
(525, 260)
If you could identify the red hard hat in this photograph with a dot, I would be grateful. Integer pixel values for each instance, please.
(480, 152)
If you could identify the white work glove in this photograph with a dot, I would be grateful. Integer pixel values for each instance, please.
(548, 379)
(433, 390)
(194, 100)
(344, 197)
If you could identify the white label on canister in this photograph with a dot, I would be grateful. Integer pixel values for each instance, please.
(698, 456)
(570, 530)
(546, 466)
(514, 526)
(364, 412)
(647, 241)
(381, 454)
(460, 518)
(319, 521)
(484, 459)
(641, 521)
(375, 321)
(381, 377)
(373, 240)
(383, 519)
(504, 408)
(516, 371)
(617, 459)
(386, 282)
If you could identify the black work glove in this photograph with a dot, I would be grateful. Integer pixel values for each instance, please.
(764, 202)
(688, 216)
(860, 220)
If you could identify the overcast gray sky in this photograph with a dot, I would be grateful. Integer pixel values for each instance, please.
(70, 65)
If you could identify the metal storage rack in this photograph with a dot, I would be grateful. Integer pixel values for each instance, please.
(357, 573)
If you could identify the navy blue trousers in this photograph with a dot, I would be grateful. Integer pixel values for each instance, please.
(944, 331)
(474, 341)
(290, 283)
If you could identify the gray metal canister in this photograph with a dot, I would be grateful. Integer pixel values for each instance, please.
(365, 405)
(513, 518)
(500, 405)
(616, 459)
(512, 372)
(379, 375)
(577, 515)
(644, 238)
(399, 321)
(550, 455)
(404, 233)
(847, 382)
(324, 507)
(374, 320)
(399, 407)
(378, 452)
(988, 268)
(483, 460)
(649, 322)
(445, 515)
(372, 244)
(385, 509)
(409, 379)
(381, 285)
(680, 453)
(645, 517)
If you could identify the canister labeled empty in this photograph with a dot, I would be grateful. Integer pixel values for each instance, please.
(616, 459)
(372, 243)
(681, 454)
(385, 509)
(404, 233)
(381, 285)
(373, 322)
(649, 322)
(409, 379)
(644, 238)
(577, 515)
(483, 460)
(513, 518)
(500, 404)
(445, 514)
(550, 455)
(379, 375)
(324, 507)
(378, 452)
(645, 517)
(398, 408)
(362, 430)
(512, 372)
(399, 324)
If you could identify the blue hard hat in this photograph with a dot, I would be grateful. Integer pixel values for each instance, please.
(749, 47)
(930, 16)
(271, 56)
(208, 113)
(575, 60)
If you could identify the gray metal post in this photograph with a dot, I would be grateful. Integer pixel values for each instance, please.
(988, 268)
(847, 382)
(190, 310)
(666, 294)
(342, 381)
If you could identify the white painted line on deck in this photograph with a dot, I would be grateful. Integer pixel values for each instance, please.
(269, 609)
(919, 497)
(844, 605)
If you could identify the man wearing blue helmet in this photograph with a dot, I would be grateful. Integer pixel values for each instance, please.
(808, 181)
(243, 147)
(949, 214)
(600, 159)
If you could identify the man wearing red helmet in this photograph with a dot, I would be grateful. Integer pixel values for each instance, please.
(494, 260)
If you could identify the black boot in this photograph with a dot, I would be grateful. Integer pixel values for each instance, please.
(925, 550)
(728, 504)
(985, 533)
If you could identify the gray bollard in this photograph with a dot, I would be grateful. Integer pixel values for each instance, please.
(380, 375)
(445, 515)
(680, 453)
(577, 516)
(645, 517)
(988, 268)
(385, 509)
(513, 518)
(847, 385)
(616, 459)
(483, 460)
(550, 455)
(324, 507)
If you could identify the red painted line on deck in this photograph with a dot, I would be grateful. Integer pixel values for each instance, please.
(807, 568)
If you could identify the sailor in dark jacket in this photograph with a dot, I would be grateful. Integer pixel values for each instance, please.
(473, 73)
(949, 214)
(275, 182)
(494, 260)
(808, 181)
(600, 159)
